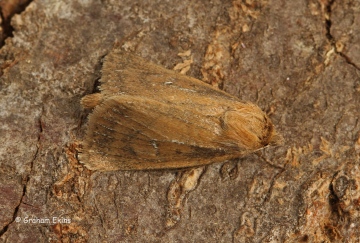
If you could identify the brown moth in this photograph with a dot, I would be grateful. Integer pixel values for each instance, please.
(147, 117)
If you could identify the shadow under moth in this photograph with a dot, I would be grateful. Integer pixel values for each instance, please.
(148, 117)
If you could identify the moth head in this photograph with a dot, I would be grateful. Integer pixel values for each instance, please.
(249, 127)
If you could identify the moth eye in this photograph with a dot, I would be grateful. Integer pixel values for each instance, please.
(267, 132)
(270, 137)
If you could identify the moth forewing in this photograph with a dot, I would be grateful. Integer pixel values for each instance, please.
(149, 117)
(125, 73)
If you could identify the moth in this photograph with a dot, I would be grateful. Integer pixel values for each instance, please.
(147, 117)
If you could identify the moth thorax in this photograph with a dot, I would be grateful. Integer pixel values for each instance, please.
(248, 126)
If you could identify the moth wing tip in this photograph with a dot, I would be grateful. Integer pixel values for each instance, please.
(91, 100)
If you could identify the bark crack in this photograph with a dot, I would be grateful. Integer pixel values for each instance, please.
(331, 38)
(27, 179)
